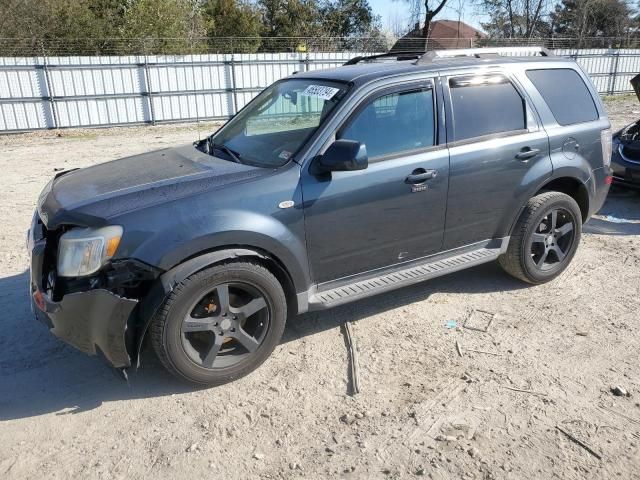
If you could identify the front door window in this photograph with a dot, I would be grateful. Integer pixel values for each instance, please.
(394, 123)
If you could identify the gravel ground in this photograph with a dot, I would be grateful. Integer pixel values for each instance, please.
(546, 362)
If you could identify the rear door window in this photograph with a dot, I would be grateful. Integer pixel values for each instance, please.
(566, 95)
(485, 105)
(394, 123)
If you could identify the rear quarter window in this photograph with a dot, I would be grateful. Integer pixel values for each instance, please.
(566, 95)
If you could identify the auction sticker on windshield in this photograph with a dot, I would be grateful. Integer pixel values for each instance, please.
(320, 91)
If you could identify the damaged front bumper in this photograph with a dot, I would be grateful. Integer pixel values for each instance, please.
(91, 321)
(94, 320)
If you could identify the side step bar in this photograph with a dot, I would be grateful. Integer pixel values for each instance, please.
(400, 278)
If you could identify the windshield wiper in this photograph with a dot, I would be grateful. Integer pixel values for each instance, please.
(235, 156)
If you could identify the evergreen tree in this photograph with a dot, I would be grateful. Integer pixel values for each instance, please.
(232, 18)
(593, 18)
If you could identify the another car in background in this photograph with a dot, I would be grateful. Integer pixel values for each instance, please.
(625, 158)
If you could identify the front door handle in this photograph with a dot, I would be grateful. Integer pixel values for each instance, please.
(420, 175)
(527, 153)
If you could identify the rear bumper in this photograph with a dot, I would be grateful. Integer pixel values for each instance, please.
(599, 184)
(92, 320)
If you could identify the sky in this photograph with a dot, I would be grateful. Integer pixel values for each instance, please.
(390, 9)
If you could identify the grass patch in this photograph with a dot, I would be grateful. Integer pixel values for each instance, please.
(626, 97)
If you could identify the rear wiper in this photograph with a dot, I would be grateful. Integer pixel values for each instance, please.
(235, 156)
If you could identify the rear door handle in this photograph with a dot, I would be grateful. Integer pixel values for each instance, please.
(527, 153)
(420, 175)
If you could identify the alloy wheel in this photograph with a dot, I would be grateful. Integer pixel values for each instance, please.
(225, 326)
(552, 239)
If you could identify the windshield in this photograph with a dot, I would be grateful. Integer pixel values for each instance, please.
(277, 123)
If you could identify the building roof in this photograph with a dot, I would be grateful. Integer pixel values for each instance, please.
(453, 29)
(442, 34)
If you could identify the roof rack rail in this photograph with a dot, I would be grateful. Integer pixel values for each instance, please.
(422, 57)
(409, 55)
(483, 52)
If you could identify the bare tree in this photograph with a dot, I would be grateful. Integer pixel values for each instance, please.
(429, 15)
(429, 12)
(397, 24)
(516, 18)
(459, 8)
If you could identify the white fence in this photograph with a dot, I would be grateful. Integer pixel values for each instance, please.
(60, 92)
(610, 69)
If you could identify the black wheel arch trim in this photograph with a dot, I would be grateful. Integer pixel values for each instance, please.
(187, 268)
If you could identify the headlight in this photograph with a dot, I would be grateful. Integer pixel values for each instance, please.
(83, 251)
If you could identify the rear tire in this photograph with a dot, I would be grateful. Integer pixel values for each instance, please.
(545, 238)
(220, 324)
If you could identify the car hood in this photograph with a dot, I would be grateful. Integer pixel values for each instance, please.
(90, 195)
(629, 136)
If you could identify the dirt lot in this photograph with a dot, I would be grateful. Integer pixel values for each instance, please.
(423, 410)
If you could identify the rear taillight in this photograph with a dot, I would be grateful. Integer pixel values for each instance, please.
(606, 141)
(38, 298)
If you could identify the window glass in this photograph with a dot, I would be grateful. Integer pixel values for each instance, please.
(484, 105)
(566, 95)
(278, 122)
(394, 123)
(292, 110)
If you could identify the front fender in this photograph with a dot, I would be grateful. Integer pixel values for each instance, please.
(281, 238)
(201, 238)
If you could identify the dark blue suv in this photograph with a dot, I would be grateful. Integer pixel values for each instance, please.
(328, 187)
(625, 160)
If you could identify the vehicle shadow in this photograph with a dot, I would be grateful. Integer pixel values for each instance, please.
(481, 279)
(40, 374)
(620, 215)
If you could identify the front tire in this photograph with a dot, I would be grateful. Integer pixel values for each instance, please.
(545, 238)
(220, 324)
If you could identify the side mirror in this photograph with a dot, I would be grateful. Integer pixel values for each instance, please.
(343, 156)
